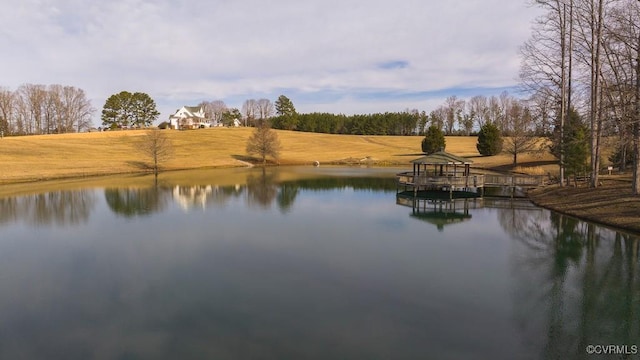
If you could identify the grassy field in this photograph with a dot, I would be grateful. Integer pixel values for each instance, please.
(34, 158)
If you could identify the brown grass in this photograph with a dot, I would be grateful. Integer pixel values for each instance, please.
(36, 158)
(611, 204)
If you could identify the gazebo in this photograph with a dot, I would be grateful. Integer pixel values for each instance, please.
(441, 171)
(442, 162)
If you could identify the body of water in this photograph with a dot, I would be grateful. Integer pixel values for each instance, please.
(306, 263)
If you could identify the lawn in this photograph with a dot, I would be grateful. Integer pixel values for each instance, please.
(32, 158)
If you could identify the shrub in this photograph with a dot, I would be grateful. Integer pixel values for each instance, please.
(433, 141)
(489, 140)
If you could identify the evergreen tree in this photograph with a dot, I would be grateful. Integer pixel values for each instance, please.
(577, 150)
(489, 140)
(287, 118)
(623, 156)
(433, 141)
(126, 109)
(576, 144)
(229, 117)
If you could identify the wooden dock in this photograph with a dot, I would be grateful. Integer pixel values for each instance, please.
(470, 183)
(447, 172)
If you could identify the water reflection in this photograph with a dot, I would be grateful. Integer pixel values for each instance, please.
(260, 189)
(53, 208)
(131, 202)
(287, 196)
(263, 276)
(576, 284)
(439, 212)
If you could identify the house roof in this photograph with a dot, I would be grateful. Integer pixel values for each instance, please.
(188, 112)
(193, 109)
(442, 158)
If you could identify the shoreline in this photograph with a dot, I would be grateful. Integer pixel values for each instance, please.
(611, 204)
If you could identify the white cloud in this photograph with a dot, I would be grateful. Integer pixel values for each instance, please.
(181, 52)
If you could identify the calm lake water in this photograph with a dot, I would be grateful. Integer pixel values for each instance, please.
(305, 263)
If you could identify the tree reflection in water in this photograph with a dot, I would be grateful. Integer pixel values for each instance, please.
(576, 284)
(261, 189)
(131, 202)
(52, 208)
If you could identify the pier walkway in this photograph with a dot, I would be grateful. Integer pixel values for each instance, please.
(447, 172)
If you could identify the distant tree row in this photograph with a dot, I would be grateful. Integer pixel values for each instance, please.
(404, 123)
(44, 109)
(455, 116)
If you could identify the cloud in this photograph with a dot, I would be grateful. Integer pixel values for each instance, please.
(349, 54)
(394, 64)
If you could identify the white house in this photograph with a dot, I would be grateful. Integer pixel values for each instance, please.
(189, 117)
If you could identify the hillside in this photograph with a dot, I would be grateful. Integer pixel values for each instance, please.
(32, 158)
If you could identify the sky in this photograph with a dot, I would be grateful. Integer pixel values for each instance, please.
(337, 56)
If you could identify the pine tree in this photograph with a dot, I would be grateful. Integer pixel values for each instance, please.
(288, 118)
(489, 140)
(433, 141)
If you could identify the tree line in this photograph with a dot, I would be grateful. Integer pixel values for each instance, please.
(582, 68)
(455, 116)
(44, 109)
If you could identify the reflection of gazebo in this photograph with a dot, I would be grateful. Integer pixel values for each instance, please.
(441, 171)
(440, 219)
(438, 211)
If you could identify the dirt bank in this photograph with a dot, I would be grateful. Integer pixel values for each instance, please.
(611, 204)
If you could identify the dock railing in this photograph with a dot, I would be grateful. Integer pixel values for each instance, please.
(471, 180)
(515, 180)
(456, 180)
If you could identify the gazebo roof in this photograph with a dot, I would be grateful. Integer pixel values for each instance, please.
(442, 158)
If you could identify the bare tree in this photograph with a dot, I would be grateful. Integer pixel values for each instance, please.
(265, 109)
(620, 76)
(547, 68)
(589, 19)
(264, 142)
(249, 111)
(454, 108)
(218, 108)
(7, 109)
(213, 110)
(158, 147)
(478, 109)
(76, 109)
(636, 128)
(542, 111)
(38, 109)
(519, 128)
(52, 111)
(494, 113)
(438, 117)
(34, 97)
